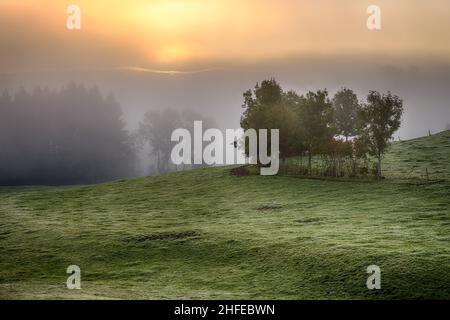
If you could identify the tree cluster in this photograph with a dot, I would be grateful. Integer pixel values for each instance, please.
(339, 134)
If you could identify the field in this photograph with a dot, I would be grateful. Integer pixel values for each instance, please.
(410, 159)
(209, 234)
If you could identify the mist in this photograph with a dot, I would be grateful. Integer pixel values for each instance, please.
(70, 136)
(217, 93)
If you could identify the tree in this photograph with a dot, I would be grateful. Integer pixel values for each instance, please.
(268, 107)
(345, 103)
(74, 135)
(156, 129)
(258, 102)
(380, 118)
(316, 121)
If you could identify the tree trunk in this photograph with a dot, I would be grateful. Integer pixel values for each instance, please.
(310, 162)
(379, 167)
(301, 163)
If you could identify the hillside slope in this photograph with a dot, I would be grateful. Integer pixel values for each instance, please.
(209, 234)
(411, 158)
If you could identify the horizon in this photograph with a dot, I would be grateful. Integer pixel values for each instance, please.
(203, 55)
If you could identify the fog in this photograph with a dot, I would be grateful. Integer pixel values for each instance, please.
(213, 95)
(217, 93)
(168, 57)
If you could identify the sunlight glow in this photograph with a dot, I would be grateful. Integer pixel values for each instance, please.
(166, 32)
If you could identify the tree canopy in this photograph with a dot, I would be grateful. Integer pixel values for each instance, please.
(346, 104)
(380, 117)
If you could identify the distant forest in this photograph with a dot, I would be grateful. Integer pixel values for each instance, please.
(70, 136)
(76, 135)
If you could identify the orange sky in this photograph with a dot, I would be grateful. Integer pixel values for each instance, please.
(176, 34)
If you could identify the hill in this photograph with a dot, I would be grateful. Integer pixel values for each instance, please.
(411, 158)
(209, 234)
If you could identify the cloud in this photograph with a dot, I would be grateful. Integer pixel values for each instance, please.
(168, 72)
(177, 34)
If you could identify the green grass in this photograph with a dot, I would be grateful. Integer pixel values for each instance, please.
(206, 234)
(404, 161)
(410, 159)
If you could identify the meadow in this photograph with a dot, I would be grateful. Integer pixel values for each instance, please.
(208, 234)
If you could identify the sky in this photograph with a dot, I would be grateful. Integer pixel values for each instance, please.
(203, 54)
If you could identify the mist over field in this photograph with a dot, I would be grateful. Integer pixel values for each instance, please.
(103, 197)
(167, 60)
(217, 93)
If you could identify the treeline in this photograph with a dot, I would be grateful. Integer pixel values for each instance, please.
(154, 136)
(340, 134)
(76, 135)
(71, 136)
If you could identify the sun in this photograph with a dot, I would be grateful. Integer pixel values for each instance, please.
(173, 53)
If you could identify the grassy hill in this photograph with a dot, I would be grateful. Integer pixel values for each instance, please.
(209, 234)
(411, 158)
